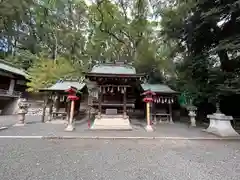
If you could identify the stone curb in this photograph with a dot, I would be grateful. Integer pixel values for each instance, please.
(117, 138)
(21, 137)
(135, 137)
(3, 128)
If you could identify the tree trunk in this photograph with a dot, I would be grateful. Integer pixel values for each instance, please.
(55, 47)
(44, 109)
(224, 59)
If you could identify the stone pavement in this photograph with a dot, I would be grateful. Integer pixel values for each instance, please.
(47, 130)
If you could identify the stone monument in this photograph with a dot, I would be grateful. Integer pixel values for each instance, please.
(220, 124)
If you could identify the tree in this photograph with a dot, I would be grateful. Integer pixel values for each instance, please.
(104, 31)
(210, 60)
(45, 72)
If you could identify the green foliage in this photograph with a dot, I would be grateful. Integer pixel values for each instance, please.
(206, 38)
(45, 72)
(35, 34)
(22, 59)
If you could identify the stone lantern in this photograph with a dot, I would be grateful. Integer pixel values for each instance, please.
(148, 99)
(192, 114)
(22, 111)
(72, 97)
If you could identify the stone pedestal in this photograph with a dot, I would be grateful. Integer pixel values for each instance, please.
(192, 116)
(49, 117)
(111, 122)
(69, 127)
(220, 124)
(171, 121)
(58, 121)
(21, 119)
(149, 128)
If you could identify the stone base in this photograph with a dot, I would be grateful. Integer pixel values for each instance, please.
(111, 122)
(149, 128)
(193, 122)
(69, 127)
(193, 125)
(19, 124)
(57, 122)
(192, 116)
(2, 128)
(163, 122)
(221, 125)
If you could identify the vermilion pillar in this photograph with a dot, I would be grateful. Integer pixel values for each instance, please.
(148, 99)
(72, 97)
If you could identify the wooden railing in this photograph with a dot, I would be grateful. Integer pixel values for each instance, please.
(4, 92)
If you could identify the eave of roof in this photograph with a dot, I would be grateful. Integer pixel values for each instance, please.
(158, 88)
(9, 68)
(63, 86)
(113, 69)
(113, 75)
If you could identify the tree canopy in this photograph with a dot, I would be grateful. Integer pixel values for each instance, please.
(82, 33)
(191, 45)
(206, 37)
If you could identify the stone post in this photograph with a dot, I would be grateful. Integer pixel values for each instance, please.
(70, 126)
(57, 103)
(50, 113)
(192, 116)
(125, 103)
(11, 86)
(44, 108)
(170, 112)
(22, 111)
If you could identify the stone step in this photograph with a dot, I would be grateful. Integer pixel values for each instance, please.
(110, 127)
(111, 123)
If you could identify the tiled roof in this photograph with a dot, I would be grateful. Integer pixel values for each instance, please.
(64, 85)
(113, 69)
(11, 69)
(158, 88)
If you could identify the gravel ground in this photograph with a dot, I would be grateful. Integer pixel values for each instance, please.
(13, 119)
(118, 160)
(43, 129)
(34, 127)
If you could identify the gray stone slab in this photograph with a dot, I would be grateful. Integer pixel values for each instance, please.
(111, 111)
(111, 122)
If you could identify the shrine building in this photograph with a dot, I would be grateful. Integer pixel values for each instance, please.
(111, 96)
(116, 89)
